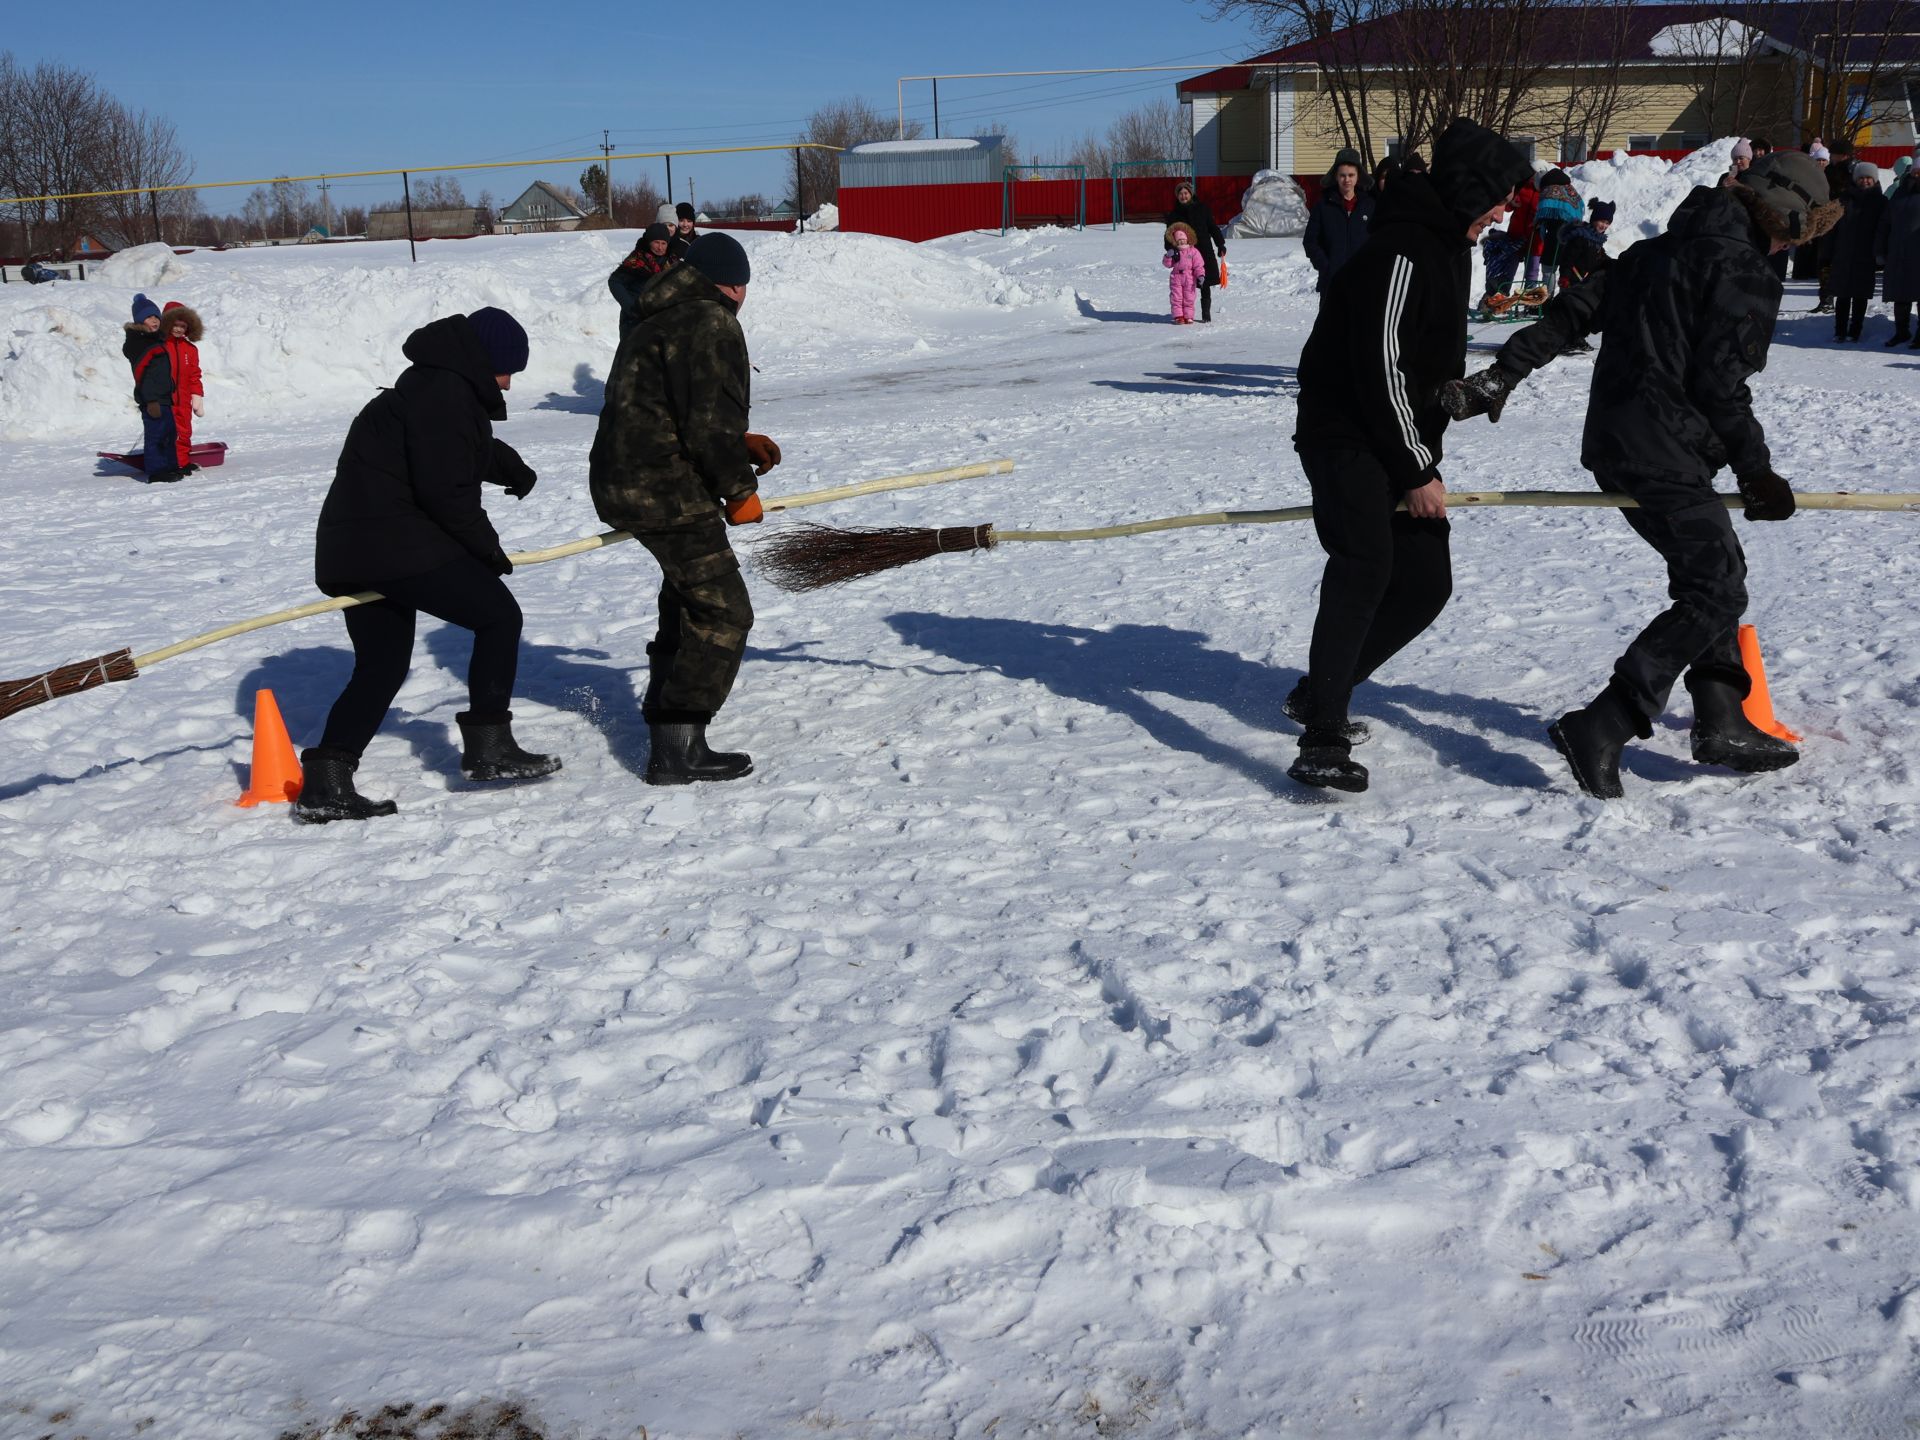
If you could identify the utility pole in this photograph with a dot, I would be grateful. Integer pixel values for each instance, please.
(326, 208)
(936, 107)
(606, 168)
(690, 200)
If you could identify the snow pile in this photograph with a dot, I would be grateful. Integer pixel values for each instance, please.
(1648, 189)
(827, 217)
(1273, 207)
(314, 329)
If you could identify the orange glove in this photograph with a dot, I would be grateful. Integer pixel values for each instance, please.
(763, 452)
(746, 510)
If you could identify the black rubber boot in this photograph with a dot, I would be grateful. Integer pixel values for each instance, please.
(1326, 763)
(1591, 741)
(488, 750)
(327, 793)
(1294, 707)
(1722, 734)
(680, 756)
(1899, 338)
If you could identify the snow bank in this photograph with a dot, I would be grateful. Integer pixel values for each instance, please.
(299, 331)
(827, 217)
(1273, 206)
(1648, 189)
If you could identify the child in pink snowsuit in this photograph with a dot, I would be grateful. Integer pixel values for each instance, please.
(1189, 269)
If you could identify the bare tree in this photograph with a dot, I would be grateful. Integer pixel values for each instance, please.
(257, 213)
(134, 150)
(1860, 47)
(51, 114)
(635, 205)
(593, 182)
(842, 124)
(1154, 131)
(439, 192)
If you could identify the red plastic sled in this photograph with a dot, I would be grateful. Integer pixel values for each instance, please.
(206, 456)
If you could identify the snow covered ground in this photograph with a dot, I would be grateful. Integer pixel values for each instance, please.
(1017, 1052)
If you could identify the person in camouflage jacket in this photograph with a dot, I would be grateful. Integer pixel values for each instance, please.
(673, 464)
(1686, 319)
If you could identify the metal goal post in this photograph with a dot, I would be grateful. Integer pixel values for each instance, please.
(1173, 171)
(1043, 195)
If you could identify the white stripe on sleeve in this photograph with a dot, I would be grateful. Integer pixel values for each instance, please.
(1397, 286)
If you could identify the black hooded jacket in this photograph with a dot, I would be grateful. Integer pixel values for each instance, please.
(1392, 327)
(1197, 217)
(1687, 318)
(406, 491)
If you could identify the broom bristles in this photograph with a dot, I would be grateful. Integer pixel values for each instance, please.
(813, 557)
(18, 695)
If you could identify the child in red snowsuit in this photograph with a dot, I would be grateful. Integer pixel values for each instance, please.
(1189, 269)
(183, 331)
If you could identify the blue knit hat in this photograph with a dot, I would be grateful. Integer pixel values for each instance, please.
(503, 339)
(144, 309)
(721, 258)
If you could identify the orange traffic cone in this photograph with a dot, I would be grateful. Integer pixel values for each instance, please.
(1759, 704)
(276, 769)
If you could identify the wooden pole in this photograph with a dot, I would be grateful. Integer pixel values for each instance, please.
(582, 546)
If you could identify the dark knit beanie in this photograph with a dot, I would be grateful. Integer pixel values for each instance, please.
(684, 211)
(1598, 210)
(502, 338)
(144, 309)
(721, 258)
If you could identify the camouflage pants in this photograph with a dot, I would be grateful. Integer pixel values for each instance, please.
(705, 615)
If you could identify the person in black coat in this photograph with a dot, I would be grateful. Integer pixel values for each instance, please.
(1392, 330)
(145, 349)
(1340, 222)
(1688, 317)
(404, 518)
(684, 234)
(1192, 212)
(648, 260)
(1852, 251)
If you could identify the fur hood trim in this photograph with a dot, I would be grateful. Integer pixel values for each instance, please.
(1777, 225)
(1180, 227)
(176, 313)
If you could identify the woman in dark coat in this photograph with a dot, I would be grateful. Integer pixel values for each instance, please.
(1853, 243)
(1899, 247)
(1191, 211)
(649, 259)
(404, 517)
(1341, 220)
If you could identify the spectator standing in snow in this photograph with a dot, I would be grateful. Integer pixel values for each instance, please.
(1583, 247)
(1340, 221)
(404, 517)
(1192, 212)
(184, 330)
(633, 274)
(145, 348)
(683, 233)
(1189, 271)
(673, 463)
(1559, 207)
(1526, 201)
(1899, 246)
(1688, 317)
(1741, 158)
(1855, 243)
(1392, 329)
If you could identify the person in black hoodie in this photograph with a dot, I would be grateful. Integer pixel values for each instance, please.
(1339, 224)
(1392, 329)
(1192, 212)
(1688, 317)
(404, 517)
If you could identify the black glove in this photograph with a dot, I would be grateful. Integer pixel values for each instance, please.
(500, 563)
(1768, 497)
(1482, 393)
(510, 472)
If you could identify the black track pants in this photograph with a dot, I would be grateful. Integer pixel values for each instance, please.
(1387, 579)
(463, 592)
(1706, 580)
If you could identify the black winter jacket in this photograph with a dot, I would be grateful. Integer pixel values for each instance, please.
(1688, 317)
(146, 352)
(1855, 241)
(406, 491)
(1333, 236)
(1392, 330)
(1198, 218)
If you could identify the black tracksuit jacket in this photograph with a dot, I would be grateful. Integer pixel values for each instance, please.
(1392, 330)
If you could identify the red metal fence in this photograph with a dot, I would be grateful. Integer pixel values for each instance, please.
(924, 212)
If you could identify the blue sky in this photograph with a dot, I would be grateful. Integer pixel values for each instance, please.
(274, 89)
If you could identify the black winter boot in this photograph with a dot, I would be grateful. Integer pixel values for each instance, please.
(1900, 337)
(1294, 707)
(1722, 734)
(1591, 741)
(327, 793)
(1326, 763)
(488, 750)
(680, 755)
